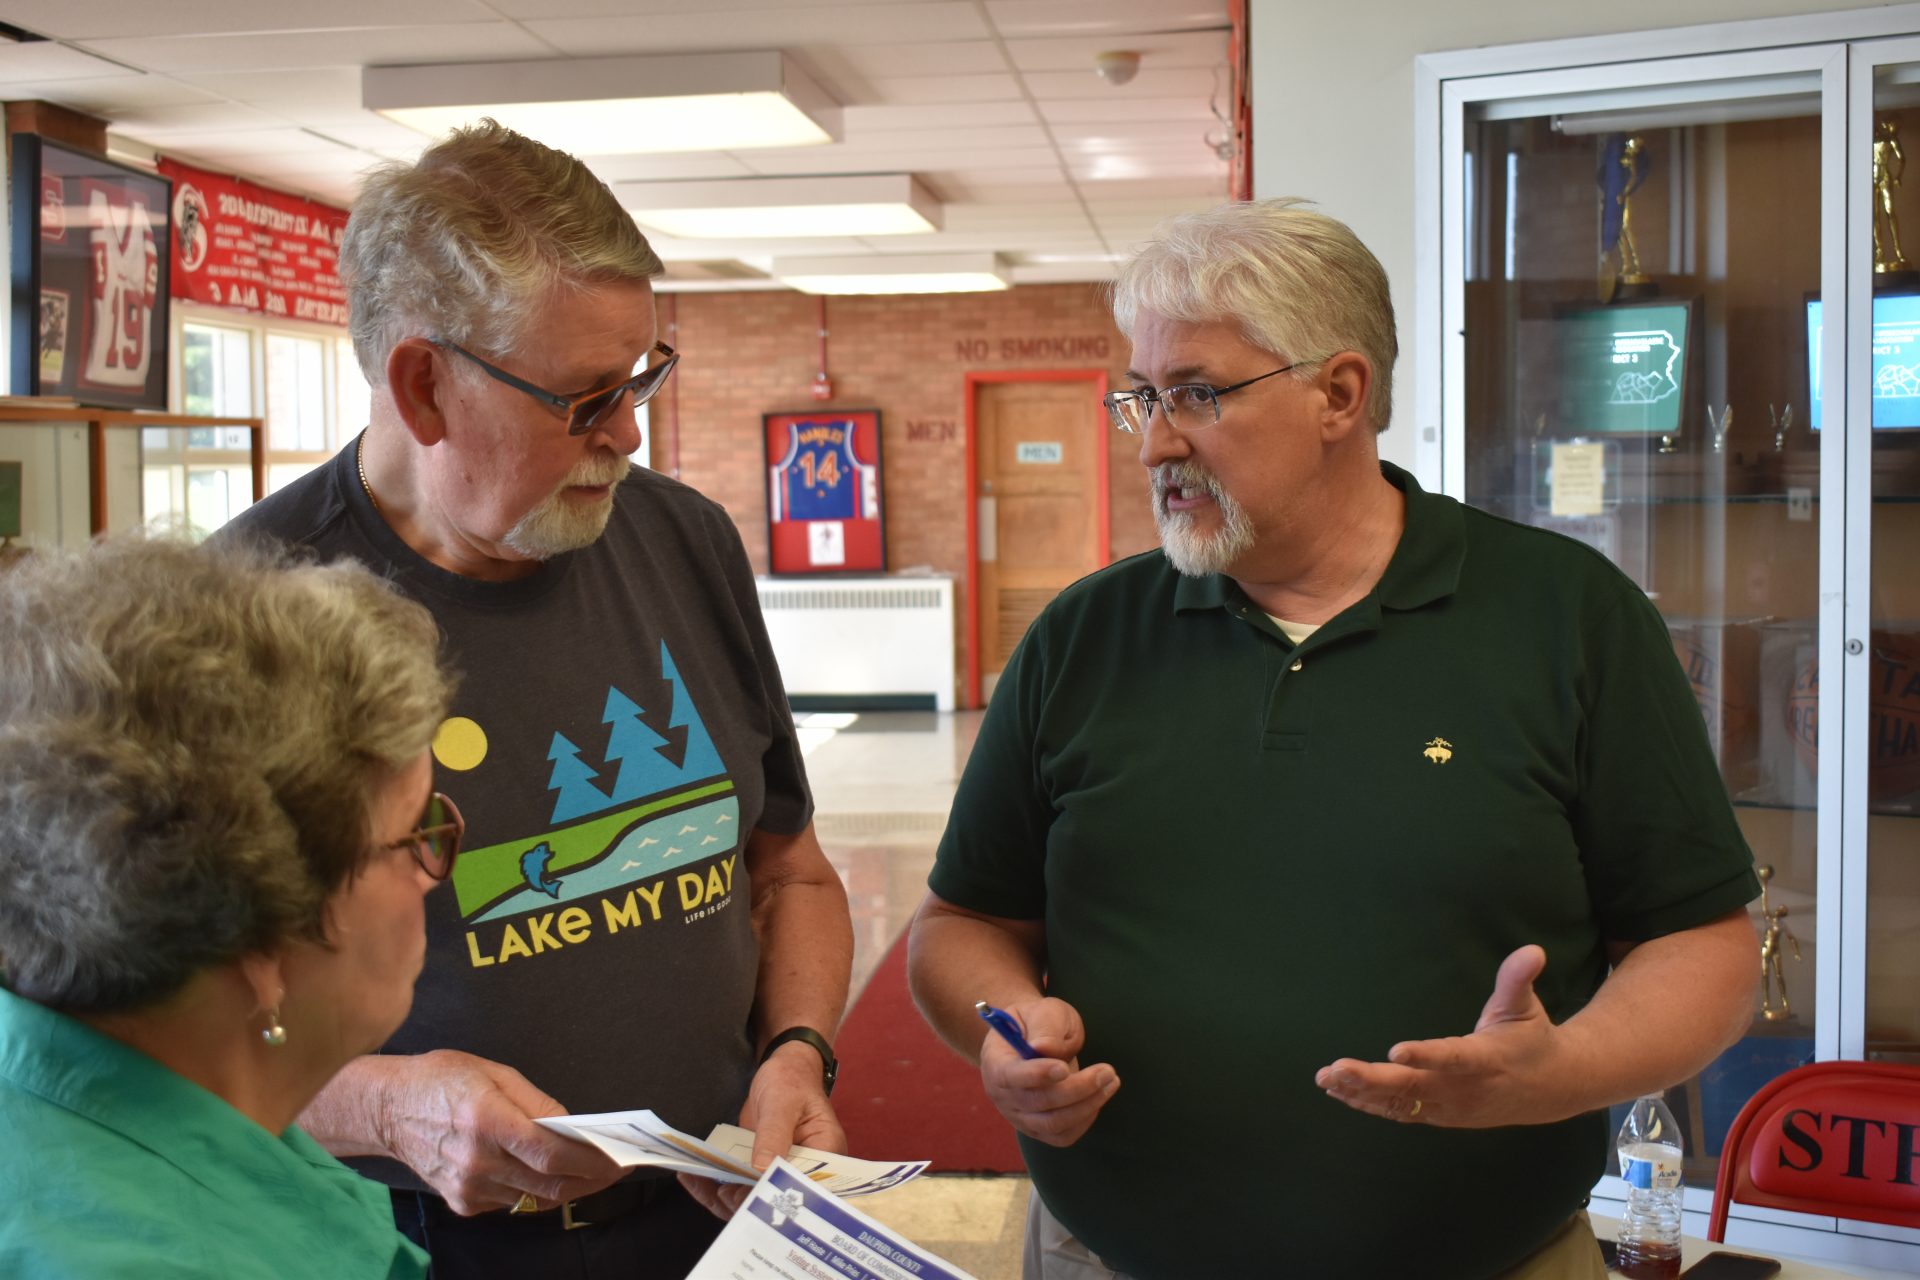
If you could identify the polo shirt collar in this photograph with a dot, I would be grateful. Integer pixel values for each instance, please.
(1425, 566)
(74, 1067)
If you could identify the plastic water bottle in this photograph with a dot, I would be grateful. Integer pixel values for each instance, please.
(1649, 1146)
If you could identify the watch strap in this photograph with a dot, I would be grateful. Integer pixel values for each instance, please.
(829, 1065)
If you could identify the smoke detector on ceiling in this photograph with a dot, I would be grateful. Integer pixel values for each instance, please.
(1116, 66)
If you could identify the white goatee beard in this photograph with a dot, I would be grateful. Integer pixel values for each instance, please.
(1191, 552)
(558, 524)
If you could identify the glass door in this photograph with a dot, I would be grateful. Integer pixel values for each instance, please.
(1632, 295)
(1881, 753)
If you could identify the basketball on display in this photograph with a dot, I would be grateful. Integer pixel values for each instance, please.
(1893, 716)
(1727, 707)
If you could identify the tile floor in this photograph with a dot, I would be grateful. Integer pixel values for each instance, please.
(882, 784)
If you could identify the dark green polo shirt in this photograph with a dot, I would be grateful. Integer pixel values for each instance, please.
(1254, 858)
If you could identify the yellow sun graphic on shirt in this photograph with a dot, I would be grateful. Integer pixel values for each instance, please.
(460, 744)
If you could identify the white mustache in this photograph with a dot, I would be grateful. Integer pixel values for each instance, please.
(1172, 477)
(607, 469)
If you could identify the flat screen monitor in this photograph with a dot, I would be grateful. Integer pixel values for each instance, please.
(1896, 361)
(1623, 368)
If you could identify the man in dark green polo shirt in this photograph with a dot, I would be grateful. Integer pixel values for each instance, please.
(1354, 795)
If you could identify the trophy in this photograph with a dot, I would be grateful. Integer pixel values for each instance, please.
(1888, 163)
(1770, 972)
(1624, 166)
(1720, 428)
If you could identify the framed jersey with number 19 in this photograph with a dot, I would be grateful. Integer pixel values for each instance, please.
(824, 511)
(90, 277)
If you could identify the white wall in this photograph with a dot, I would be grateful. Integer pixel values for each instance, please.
(1333, 109)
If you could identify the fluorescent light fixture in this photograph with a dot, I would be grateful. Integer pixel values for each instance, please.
(616, 106)
(886, 204)
(889, 273)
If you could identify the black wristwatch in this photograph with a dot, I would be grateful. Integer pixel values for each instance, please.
(830, 1065)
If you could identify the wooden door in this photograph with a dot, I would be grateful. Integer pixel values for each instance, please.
(1039, 504)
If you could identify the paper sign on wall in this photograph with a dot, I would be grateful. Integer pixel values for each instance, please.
(1579, 481)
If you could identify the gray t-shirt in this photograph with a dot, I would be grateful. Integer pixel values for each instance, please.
(619, 729)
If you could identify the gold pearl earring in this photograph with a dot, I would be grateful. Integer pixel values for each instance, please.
(275, 1034)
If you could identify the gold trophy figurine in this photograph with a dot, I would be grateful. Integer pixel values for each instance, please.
(1770, 972)
(1633, 158)
(1888, 163)
(1625, 163)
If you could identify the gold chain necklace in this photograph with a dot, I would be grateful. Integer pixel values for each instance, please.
(360, 461)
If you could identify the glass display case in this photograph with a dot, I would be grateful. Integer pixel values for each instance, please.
(75, 472)
(1667, 308)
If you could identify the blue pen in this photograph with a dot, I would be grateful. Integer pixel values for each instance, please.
(1002, 1022)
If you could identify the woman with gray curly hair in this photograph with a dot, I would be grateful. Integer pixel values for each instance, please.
(216, 832)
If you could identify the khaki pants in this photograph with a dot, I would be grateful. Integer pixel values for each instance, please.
(1052, 1254)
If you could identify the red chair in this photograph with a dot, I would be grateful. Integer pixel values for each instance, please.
(1841, 1139)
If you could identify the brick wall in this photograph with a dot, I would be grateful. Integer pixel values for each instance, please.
(747, 354)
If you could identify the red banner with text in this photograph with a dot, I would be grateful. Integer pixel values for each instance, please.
(236, 244)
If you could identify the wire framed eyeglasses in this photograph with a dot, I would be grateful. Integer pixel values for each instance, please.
(1190, 406)
(435, 843)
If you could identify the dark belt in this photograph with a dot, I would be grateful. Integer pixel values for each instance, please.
(621, 1200)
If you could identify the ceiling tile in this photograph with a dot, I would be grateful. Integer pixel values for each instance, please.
(1171, 82)
(924, 89)
(122, 92)
(45, 60)
(862, 123)
(1086, 272)
(971, 216)
(103, 19)
(1162, 49)
(992, 183)
(1096, 17)
(676, 250)
(1122, 135)
(674, 166)
(317, 89)
(531, 9)
(926, 83)
(762, 28)
(928, 58)
(266, 145)
(1116, 107)
(201, 117)
(373, 132)
(902, 161)
(362, 46)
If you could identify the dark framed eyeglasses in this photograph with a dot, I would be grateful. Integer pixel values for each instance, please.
(1191, 406)
(435, 843)
(589, 409)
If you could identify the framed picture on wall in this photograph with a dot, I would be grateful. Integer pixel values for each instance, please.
(90, 277)
(824, 512)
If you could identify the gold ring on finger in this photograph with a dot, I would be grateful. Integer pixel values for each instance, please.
(1416, 1109)
(525, 1204)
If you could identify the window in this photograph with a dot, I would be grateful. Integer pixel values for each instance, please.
(198, 478)
(301, 379)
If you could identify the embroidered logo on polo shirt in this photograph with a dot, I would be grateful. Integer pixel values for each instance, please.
(1439, 751)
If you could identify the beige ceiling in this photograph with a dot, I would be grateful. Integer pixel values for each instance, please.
(993, 103)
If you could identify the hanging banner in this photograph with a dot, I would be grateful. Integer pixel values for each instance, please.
(239, 245)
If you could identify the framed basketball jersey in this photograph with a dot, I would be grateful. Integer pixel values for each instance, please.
(824, 512)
